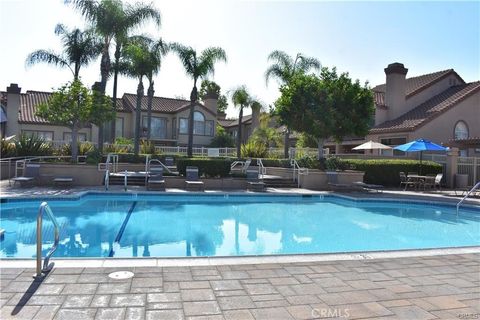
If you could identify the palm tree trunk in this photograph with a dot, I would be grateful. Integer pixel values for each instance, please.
(74, 143)
(239, 136)
(320, 148)
(193, 100)
(114, 98)
(136, 146)
(286, 143)
(104, 71)
(150, 93)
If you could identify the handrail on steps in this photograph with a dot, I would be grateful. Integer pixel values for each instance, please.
(297, 171)
(466, 196)
(44, 208)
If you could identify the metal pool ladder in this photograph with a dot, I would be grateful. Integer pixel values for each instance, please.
(44, 208)
(466, 196)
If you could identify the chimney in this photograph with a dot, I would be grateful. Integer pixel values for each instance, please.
(395, 90)
(221, 115)
(255, 117)
(13, 109)
(210, 101)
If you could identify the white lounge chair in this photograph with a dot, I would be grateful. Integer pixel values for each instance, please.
(253, 182)
(30, 174)
(155, 179)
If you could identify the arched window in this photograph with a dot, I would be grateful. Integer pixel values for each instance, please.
(198, 123)
(461, 130)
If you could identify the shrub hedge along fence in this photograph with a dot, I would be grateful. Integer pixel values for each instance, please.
(387, 171)
(210, 168)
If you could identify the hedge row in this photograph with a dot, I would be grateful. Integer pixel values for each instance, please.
(210, 168)
(387, 171)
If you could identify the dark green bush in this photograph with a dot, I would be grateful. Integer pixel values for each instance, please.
(386, 171)
(32, 145)
(217, 167)
(94, 156)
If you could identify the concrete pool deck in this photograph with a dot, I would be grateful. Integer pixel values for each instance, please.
(410, 284)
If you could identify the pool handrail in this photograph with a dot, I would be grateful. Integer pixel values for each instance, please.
(476, 186)
(297, 171)
(44, 208)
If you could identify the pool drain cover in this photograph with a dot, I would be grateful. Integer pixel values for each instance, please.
(121, 275)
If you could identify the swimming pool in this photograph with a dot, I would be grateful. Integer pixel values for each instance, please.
(152, 225)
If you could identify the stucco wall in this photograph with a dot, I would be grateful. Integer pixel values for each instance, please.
(58, 131)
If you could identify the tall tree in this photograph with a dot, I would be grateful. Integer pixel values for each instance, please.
(207, 87)
(241, 99)
(135, 63)
(79, 49)
(197, 67)
(75, 107)
(112, 20)
(283, 68)
(326, 106)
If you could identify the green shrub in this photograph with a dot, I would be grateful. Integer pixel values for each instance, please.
(211, 168)
(147, 147)
(386, 171)
(118, 148)
(334, 163)
(254, 149)
(94, 156)
(222, 139)
(276, 163)
(32, 145)
(82, 147)
(7, 149)
(123, 141)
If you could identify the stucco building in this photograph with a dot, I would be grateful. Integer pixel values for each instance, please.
(439, 106)
(169, 118)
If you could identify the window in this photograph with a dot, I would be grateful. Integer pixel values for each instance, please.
(461, 130)
(119, 127)
(174, 128)
(198, 123)
(67, 136)
(184, 125)
(159, 127)
(392, 142)
(46, 135)
(201, 127)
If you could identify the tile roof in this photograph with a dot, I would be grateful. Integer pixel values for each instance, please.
(28, 105)
(234, 122)
(415, 84)
(159, 104)
(429, 109)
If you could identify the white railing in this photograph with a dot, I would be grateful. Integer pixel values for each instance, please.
(298, 171)
(261, 169)
(107, 179)
(466, 196)
(469, 166)
(44, 208)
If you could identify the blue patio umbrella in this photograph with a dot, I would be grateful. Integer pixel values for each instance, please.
(420, 146)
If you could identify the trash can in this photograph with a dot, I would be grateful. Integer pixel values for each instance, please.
(461, 180)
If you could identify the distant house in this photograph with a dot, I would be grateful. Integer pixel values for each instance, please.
(169, 119)
(439, 106)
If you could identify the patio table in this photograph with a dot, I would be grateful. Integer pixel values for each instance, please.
(417, 180)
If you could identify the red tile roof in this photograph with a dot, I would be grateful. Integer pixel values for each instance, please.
(28, 105)
(159, 104)
(429, 109)
(234, 122)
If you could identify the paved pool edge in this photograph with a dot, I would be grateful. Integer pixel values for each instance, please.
(218, 261)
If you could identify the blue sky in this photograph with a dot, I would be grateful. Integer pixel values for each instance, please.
(361, 38)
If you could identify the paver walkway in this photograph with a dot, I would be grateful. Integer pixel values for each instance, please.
(435, 287)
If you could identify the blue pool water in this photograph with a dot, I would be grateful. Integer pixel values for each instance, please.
(233, 225)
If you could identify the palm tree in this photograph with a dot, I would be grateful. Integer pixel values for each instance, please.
(283, 68)
(241, 99)
(197, 66)
(79, 49)
(135, 64)
(112, 21)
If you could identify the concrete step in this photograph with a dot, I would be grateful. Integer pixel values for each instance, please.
(280, 183)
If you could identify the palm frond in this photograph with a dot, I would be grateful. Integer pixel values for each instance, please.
(137, 14)
(275, 71)
(48, 57)
(307, 63)
(240, 96)
(207, 60)
(281, 58)
(187, 56)
(61, 29)
(87, 8)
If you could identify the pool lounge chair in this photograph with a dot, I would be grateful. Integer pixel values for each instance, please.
(59, 181)
(253, 182)
(155, 179)
(31, 174)
(369, 186)
(191, 180)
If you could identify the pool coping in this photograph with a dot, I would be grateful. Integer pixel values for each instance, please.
(238, 260)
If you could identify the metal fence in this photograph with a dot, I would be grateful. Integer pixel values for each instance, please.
(471, 167)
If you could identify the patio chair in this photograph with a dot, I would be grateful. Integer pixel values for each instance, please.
(433, 181)
(192, 180)
(169, 162)
(155, 179)
(31, 174)
(253, 182)
(405, 181)
(369, 187)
